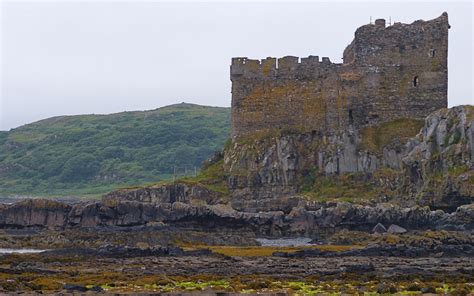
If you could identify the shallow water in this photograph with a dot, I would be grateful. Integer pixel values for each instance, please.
(20, 251)
(285, 242)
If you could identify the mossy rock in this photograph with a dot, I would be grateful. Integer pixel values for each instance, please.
(375, 138)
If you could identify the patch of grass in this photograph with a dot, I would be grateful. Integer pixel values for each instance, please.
(212, 177)
(351, 187)
(47, 283)
(257, 251)
(375, 138)
(470, 112)
(457, 170)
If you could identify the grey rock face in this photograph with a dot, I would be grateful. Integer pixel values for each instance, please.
(395, 229)
(300, 221)
(271, 168)
(379, 228)
(30, 213)
(438, 165)
(169, 193)
(435, 168)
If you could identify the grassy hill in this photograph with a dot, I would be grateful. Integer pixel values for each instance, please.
(91, 154)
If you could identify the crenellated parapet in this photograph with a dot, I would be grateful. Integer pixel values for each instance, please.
(388, 72)
(271, 67)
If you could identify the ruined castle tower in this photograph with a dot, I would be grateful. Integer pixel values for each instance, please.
(399, 71)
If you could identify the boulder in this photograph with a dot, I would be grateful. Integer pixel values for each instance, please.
(75, 288)
(35, 213)
(379, 228)
(395, 229)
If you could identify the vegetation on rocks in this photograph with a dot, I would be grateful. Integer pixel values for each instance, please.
(116, 282)
(212, 176)
(438, 168)
(257, 251)
(346, 187)
(90, 154)
(375, 138)
(360, 188)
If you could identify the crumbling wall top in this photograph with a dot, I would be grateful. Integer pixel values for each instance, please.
(271, 67)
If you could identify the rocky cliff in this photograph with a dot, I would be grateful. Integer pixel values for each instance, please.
(438, 164)
(406, 161)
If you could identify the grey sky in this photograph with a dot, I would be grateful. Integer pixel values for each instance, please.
(101, 57)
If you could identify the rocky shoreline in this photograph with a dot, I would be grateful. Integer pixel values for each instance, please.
(210, 249)
(214, 274)
(148, 247)
(303, 219)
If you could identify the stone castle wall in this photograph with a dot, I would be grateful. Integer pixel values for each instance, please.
(399, 71)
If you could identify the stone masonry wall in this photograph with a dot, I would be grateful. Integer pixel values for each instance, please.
(399, 71)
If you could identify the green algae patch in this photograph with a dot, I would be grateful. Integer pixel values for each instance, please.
(246, 284)
(375, 138)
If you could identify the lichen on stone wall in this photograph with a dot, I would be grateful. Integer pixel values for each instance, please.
(388, 73)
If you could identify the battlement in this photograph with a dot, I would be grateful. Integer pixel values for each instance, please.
(272, 67)
(388, 72)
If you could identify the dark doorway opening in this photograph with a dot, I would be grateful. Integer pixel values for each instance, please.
(351, 117)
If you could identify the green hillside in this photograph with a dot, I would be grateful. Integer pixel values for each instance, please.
(90, 154)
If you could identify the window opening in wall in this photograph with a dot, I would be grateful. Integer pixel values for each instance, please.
(351, 118)
(415, 81)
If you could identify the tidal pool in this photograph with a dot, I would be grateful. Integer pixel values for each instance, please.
(20, 251)
(285, 242)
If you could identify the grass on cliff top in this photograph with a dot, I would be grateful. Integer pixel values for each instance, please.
(375, 138)
(212, 177)
(470, 112)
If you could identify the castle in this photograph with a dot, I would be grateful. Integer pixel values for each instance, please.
(388, 72)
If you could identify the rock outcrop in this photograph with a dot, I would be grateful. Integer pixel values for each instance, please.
(438, 164)
(34, 212)
(300, 221)
(278, 166)
(392, 161)
(386, 251)
(167, 193)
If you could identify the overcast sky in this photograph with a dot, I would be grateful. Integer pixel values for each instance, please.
(101, 57)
